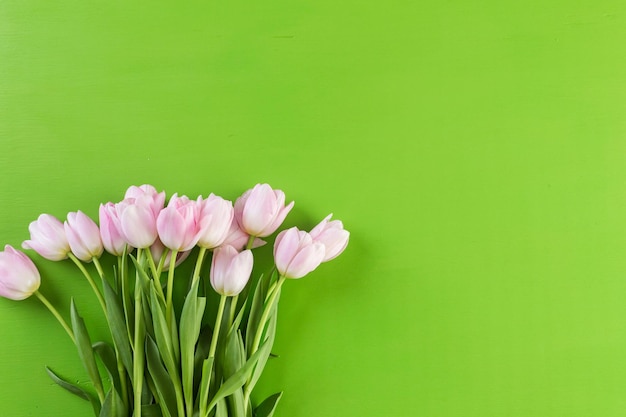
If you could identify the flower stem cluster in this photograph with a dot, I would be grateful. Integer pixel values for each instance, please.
(158, 360)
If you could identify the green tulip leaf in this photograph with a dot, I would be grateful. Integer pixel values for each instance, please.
(268, 339)
(117, 326)
(74, 389)
(85, 351)
(205, 384)
(151, 410)
(256, 311)
(222, 410)
(113, 405)
(234, 353)
(240, 377)
(163, 383)
(190, 322)
(163, 335)
(107, 355)
(267, 407)
(236, 404)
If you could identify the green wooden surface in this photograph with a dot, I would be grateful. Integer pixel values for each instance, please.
(476, 151)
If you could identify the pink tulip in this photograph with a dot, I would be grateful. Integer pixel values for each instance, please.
(178, 224)
(149, 196)
(261, 210)
(332, 235)
(296, 254)
(216, 216)
(238, 239)
(47, 238)
(19, 278)
(138, 221)
(230, 270)
(157, 249)
(83, 236)
(111, 229)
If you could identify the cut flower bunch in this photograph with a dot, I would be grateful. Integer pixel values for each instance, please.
(160, 361)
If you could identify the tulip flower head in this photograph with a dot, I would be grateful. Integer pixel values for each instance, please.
(178, 224)
(19, 278)
(111, 229)
(230, 270)
(138, 214)
(83, 236)
(216, 216)
(296, 254)
(261, 210)
(47, 238)
(332, 235)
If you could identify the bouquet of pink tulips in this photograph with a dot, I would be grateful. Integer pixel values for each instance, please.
(158, 361)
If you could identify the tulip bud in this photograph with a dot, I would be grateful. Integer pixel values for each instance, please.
(238, 239)
(83, 235)
(111, 230)
(47, 238)
(177, 224)
(332, 235)
(19, 278)
(261, 210)
(216, 216)
(230, 270)
(296, 254)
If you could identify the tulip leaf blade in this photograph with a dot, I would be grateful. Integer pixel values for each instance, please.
(74, 389)
(268, 339)
(239, 378)
(151, 410)
(256, 310)
(117, 325)
(113, 405)
(162, 381)
(85, 351)
(268, 406)
(190, 323)
(107, 356)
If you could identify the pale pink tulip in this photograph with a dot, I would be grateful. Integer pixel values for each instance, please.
(19, 278)
(178, 224)
(332, 235)
(216, 216)
(157, 249)
(238, 239)
(47, 238)
(261, 210)
(138, 221)
(148, 196)
(83, 236)
(111, 234)
(230, 270)
(296, 254)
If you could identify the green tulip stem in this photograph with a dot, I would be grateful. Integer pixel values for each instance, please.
(162, 262)
(170, 289)
(259, 333)
(96, 262)
(56, 314)
(153, 267)
(138, 348)
(265, 315)
(198, 267)
(94, 287)
(218, 324)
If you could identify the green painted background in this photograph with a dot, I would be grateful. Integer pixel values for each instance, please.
(475, 149)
